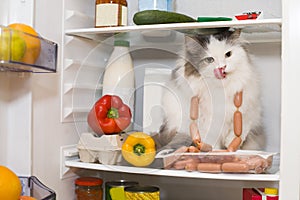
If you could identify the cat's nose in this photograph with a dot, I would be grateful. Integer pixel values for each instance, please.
(220, 72)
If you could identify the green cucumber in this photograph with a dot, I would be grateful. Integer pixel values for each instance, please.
(160, 17)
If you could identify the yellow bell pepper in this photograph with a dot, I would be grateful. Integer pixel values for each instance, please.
(139, 149)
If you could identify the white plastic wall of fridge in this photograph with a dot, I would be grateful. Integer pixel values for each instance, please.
(154, 85)
(79, 14)
(16, 123)
(16, 11)
(270, 8)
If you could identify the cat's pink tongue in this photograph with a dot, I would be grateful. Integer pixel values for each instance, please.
(220, 73)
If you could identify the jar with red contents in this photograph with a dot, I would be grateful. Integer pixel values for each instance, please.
(89, 188)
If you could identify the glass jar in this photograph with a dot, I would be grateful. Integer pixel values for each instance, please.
(111, 13)
(88, 188)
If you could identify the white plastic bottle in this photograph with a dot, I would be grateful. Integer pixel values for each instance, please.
(119, 78)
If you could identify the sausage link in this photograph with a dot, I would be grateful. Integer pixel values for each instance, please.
(219, 151)
(238, 123)
(191, 167)
(193, 149)
(218, 159)
(204, 147)
(209, 167)
(235, 144)
(182, 163)
(194, 132)
(235, 167)
(238, 99)
(194, 108)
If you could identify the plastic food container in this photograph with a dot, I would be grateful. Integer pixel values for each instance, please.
(241, 161)
(105, 149)
(31, 186)
(16, 55)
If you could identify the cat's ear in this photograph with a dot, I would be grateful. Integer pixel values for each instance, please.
(189, 40)
(192, 45)
(235, 34)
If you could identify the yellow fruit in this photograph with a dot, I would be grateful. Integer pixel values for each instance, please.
(12, 45)
(33, 43)
(10, 184)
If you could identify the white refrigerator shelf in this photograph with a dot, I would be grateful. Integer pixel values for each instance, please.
(70, 159)
(173, 173)
(254, 30)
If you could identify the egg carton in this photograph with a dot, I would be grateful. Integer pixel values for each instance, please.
(105, 149)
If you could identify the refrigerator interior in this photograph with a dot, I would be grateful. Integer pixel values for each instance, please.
(82, 64)
(84, 67)
(83, 71)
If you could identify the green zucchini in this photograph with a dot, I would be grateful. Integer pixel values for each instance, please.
(160, 17)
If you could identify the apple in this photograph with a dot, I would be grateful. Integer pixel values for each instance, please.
(12, 45)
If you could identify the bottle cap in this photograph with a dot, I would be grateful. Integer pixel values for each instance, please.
(122, 43)
(88, 181)
(272, 191)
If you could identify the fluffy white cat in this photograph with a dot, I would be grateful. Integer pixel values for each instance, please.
(214, 68)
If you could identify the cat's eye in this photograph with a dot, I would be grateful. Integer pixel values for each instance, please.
(209, 59)
(228, 54)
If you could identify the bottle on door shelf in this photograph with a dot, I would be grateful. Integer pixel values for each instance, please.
(119, 78)
(111, 13)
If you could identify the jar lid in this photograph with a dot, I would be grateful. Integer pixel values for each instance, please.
(122, 43)
(142, 189)
(88, 181)
(121, 183)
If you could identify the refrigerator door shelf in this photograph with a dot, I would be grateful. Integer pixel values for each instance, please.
(23, 52)
(33, 187)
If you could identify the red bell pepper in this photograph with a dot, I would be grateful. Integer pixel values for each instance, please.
(109, 115)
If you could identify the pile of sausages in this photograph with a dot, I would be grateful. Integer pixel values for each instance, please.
(219, 163)
(223, 163)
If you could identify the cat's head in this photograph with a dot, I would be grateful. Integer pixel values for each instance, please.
(215, 56)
